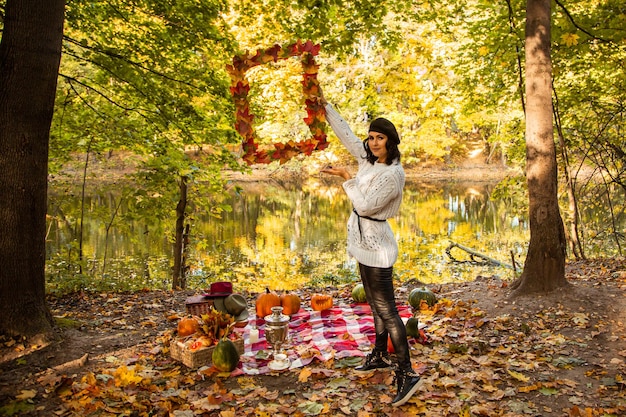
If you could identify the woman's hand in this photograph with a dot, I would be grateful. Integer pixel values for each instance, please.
(340, 172)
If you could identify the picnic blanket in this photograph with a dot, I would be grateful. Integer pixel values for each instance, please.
(340, 332)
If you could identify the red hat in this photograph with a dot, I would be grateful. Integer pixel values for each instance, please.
(219, 289)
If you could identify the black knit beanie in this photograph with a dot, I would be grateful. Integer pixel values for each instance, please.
(384, 126)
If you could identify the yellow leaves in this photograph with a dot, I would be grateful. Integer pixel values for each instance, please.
(89, 379)
(483, 51)
(246, 383)
(580, 319)
(489, 388)
(569, 39)
(520, 377)
(125, 377)
(529, 388)
(26, 394)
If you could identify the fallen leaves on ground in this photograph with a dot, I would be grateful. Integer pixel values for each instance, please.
(550, 355)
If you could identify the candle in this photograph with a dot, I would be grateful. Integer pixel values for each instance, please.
(254, 335)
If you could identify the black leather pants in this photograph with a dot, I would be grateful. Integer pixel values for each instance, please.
(378, 284)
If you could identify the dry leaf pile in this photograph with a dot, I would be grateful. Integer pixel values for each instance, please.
(552, 355)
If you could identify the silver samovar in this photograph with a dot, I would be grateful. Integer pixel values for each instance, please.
(276, 331)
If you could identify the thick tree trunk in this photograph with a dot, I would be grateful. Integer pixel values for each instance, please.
(544, 269)
(30, 53)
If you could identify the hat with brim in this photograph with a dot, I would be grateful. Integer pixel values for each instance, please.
(219, 289)
(234, 304)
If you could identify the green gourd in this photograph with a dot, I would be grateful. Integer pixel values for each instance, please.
(412, 328)
(419, 294)
(225, 356)
(358, 294)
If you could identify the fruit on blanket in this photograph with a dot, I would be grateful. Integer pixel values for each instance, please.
(412, 328)
(290, 302)
(201, 342)
(265, 301)
(358, 293)
(418, 294)
(188, 326)
(321, 302)
(225, 356)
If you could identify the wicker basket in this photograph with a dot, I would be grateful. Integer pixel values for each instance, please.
(198, 305)
(200, 357)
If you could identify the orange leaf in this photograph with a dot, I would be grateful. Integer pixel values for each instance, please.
(304, 375)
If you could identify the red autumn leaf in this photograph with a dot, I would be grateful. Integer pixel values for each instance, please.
(243, 62)
(323, 144)
(307, 146)
(243, 127)
(262, 157)
(273, 52)
(311, 48)
(240, 89)
(245, 115)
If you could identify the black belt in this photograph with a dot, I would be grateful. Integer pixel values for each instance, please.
(359, 217)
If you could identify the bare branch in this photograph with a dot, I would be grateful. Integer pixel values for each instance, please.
(577, 26)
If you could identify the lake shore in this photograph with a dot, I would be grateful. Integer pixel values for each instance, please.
(475, 173)
(116, 167)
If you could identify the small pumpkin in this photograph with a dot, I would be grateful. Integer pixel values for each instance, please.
(321, 302)
(418, 294)
(290, 303)
(225, 356)
(358, 293)
(188, 326)
(390, 348)
(412, 328)
(265, 301)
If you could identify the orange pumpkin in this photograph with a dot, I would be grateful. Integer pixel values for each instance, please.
(187, 326)
(264, 303)
(320, 302)
(390, 348)
(290, 303)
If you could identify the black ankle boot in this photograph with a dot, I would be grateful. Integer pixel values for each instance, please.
(375, 360)
(408, 383)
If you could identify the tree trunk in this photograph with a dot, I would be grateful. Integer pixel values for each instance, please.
(178, 278)
(30, 53)
(544, 269)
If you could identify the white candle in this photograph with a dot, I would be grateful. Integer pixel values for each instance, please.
(254, 335)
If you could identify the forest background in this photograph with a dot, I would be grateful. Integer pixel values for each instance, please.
(148, 81)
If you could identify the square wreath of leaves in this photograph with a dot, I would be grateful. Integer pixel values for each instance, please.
(316, 115)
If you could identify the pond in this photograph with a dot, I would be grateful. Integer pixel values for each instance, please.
(282, 236)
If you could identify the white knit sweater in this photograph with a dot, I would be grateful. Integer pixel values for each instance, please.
(375, 191)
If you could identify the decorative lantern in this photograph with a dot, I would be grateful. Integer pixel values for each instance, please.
(276, 330)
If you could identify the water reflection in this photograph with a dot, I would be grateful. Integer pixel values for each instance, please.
(282, 236)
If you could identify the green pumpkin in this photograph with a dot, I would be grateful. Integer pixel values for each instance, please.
(358, 294)
(419, 294)
(225, 356)
(412, 328)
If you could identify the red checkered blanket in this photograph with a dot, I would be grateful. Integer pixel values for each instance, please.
(340, 332)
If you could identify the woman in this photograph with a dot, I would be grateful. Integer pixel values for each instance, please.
(376, 194)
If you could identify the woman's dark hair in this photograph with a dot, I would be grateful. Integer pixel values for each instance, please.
(393, 153)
